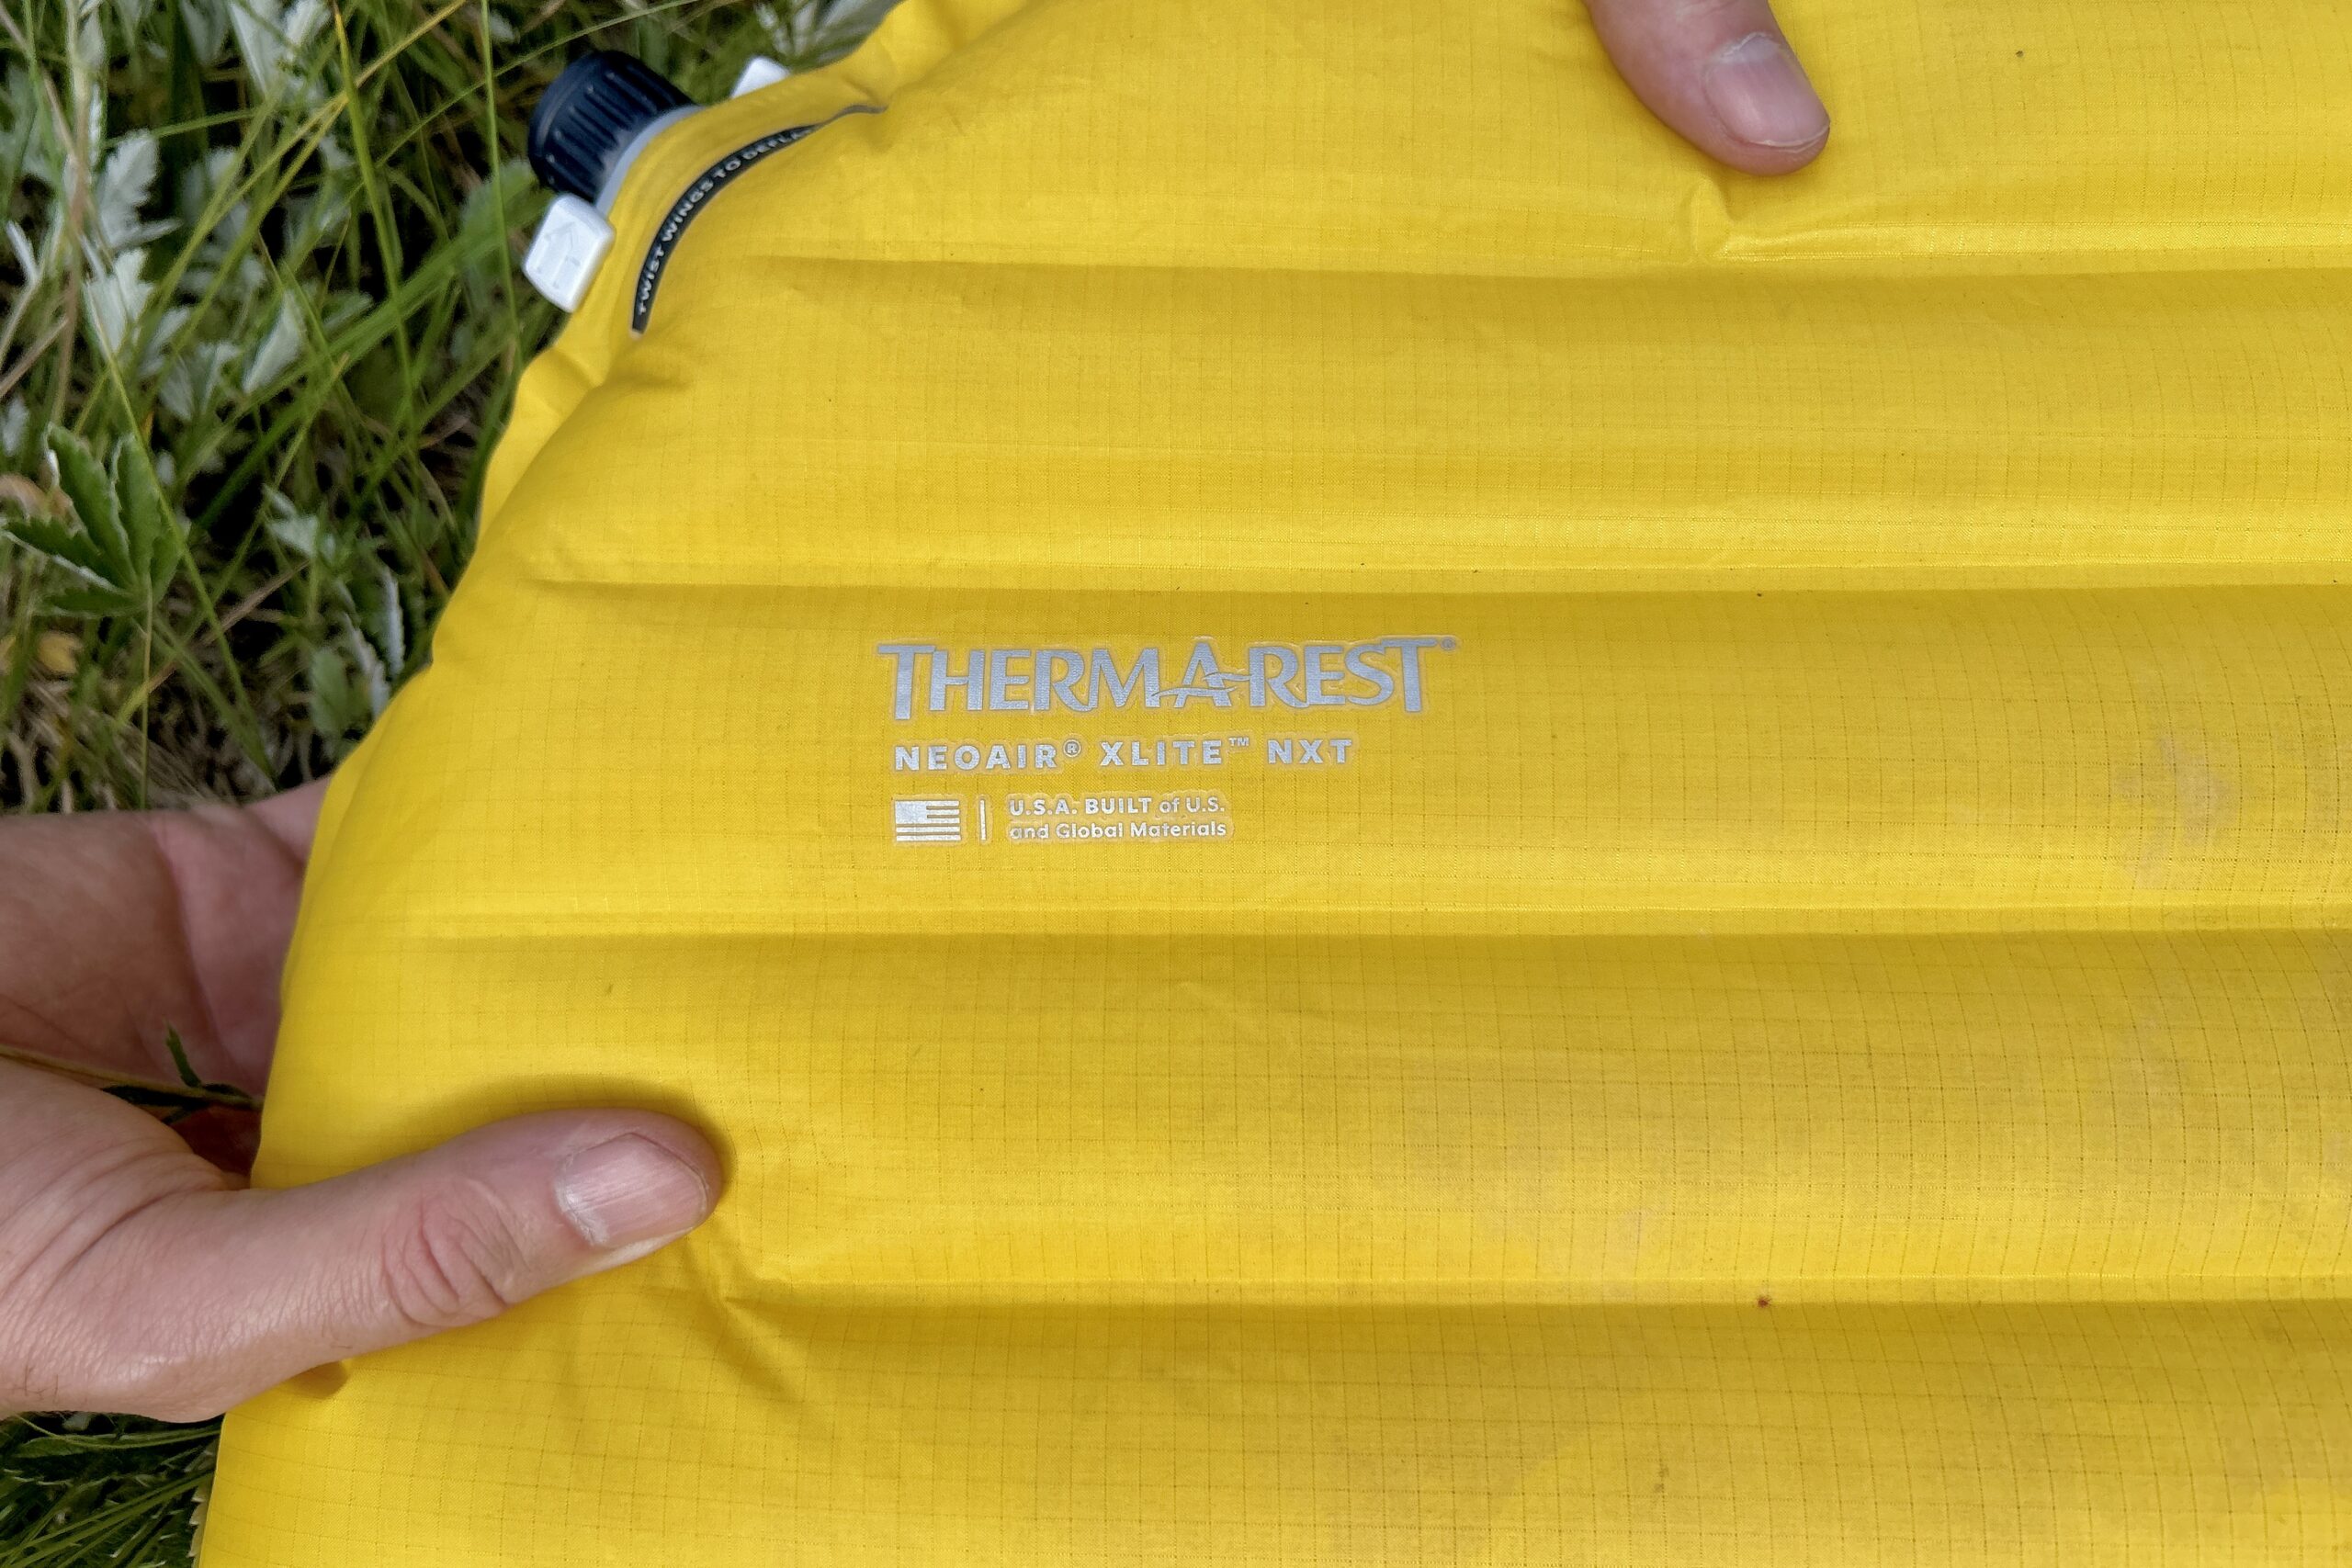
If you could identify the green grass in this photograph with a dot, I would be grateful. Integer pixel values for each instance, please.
(261, 313)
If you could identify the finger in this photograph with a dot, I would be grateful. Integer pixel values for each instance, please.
(225, 1135)
(201, 1299)
(1720, 72)
(117, 928)
(293, 816)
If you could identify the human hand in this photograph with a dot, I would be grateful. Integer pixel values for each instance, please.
(1720, 72)
(137, 1276)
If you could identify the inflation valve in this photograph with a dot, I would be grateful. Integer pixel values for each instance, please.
(590, 125)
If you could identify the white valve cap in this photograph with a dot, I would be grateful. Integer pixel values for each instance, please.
(758, 72)
(565, 253)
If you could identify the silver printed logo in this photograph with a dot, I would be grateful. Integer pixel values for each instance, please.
(927, 678)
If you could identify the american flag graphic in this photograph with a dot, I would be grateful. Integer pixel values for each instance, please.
(928, 821)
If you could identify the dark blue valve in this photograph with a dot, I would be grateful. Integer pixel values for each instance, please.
(590, 115)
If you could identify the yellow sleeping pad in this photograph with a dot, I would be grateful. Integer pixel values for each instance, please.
(1389, 827)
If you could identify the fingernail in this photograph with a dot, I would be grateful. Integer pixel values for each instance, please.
(1762, 95)
(629, 1196)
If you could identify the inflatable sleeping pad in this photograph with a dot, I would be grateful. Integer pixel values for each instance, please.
(1389, 827)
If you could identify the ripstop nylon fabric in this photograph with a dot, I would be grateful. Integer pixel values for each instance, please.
(1743, 957)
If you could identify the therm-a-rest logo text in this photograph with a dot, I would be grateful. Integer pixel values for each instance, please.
(927, 678)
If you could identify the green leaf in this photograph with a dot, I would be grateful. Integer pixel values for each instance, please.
(99, 602)
(88, 487)
(60, 544)
(338, 706)
(151, 527)
(51, 1448)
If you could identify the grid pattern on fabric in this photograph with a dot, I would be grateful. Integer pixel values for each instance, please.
(1746, 958)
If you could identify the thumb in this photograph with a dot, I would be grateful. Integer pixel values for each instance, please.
(1720, 72)
(220, 1294)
